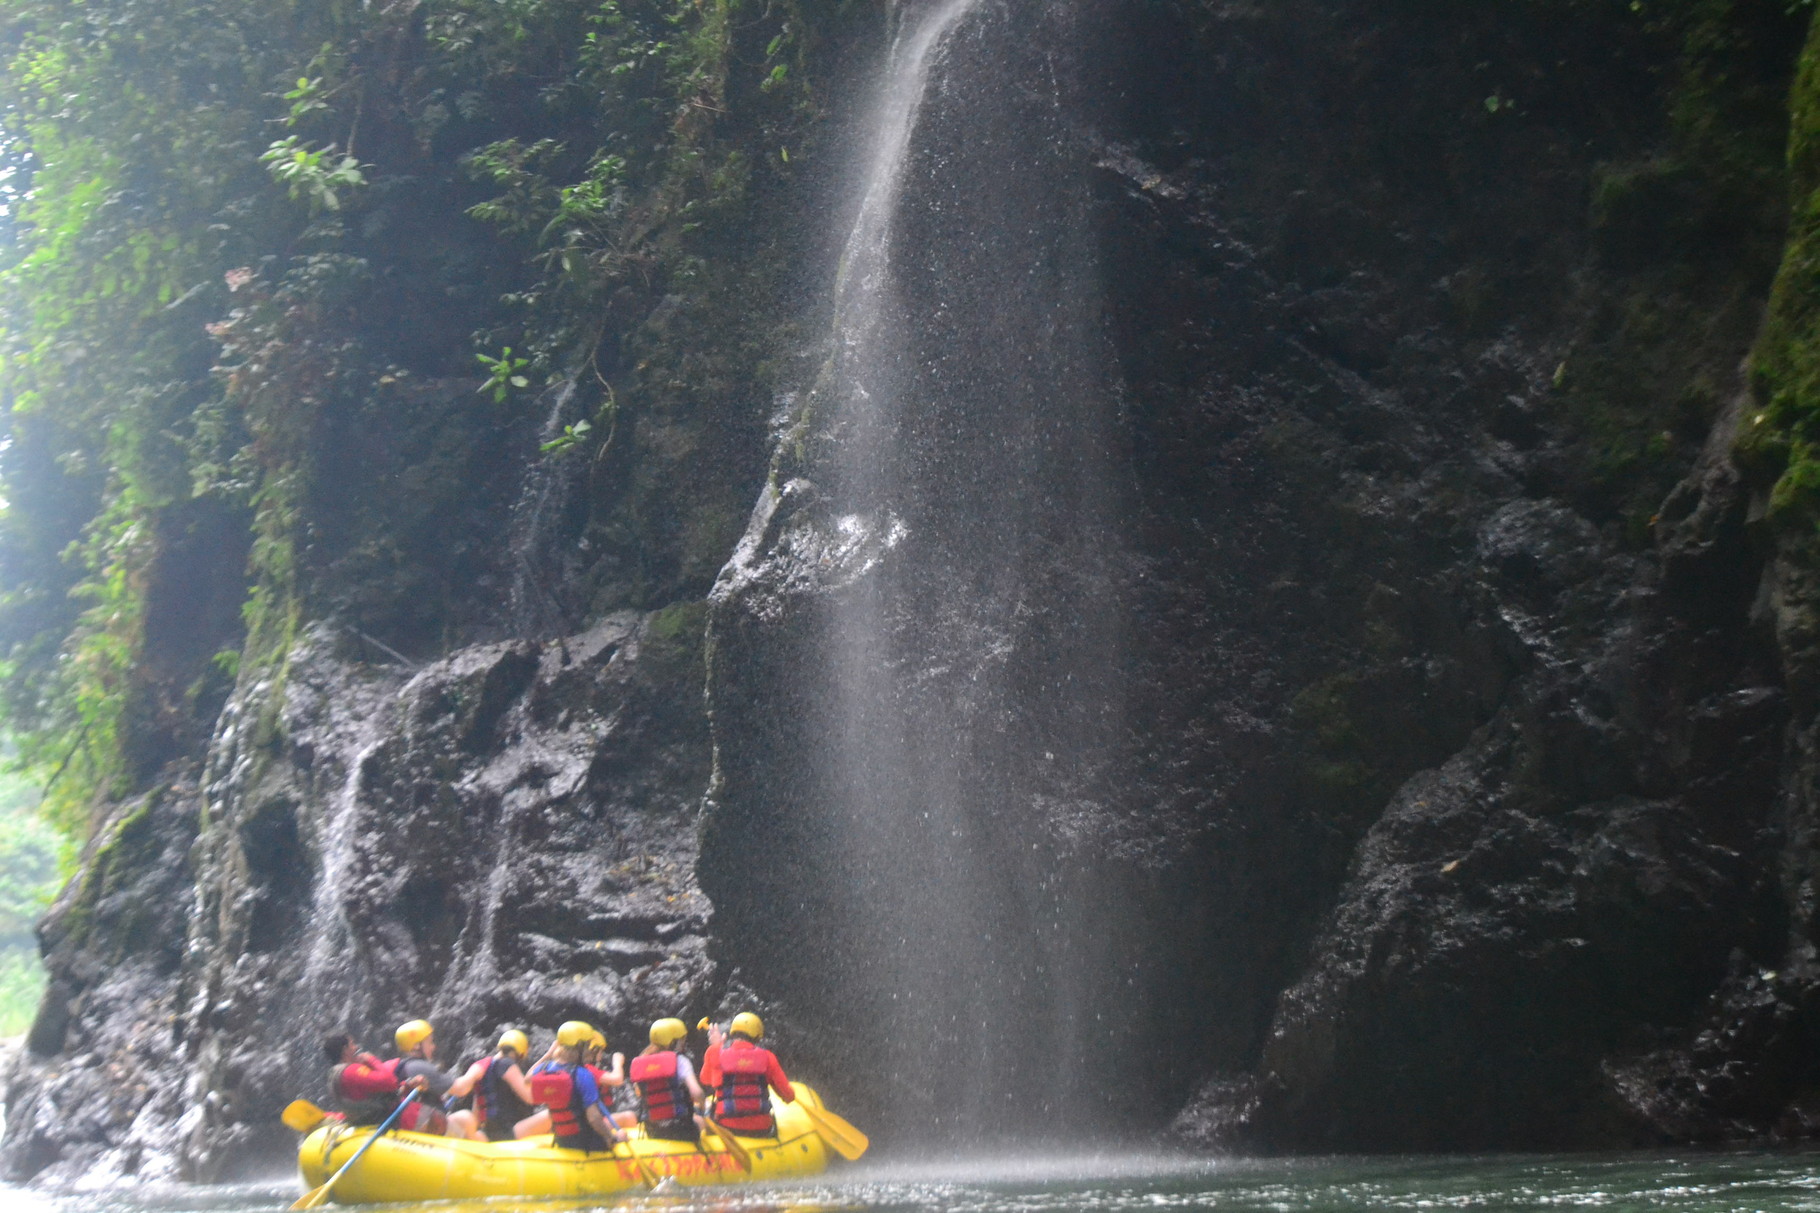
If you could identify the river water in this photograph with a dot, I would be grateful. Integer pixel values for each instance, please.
(1687, 1182)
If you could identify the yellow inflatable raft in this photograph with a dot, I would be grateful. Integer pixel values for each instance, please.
(416, 1166)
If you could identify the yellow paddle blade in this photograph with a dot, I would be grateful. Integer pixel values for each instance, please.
(302, 1115)
(623, 1149)
(848, 1142)
(314, 1197)
(734, 1150)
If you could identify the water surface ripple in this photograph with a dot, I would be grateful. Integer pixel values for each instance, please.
(1685, 1183)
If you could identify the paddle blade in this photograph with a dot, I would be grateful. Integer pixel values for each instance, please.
(734, 1150)
(848, 1142)
(622, 1149)
(302, 1115)
(313, 1198)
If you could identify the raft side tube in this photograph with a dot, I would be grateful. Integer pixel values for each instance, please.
(406, 1166)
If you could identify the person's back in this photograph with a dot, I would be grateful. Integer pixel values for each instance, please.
(578, 1116)
(498, 1103)
(667, 1089)
(502, 1097)
(416, 1067)
(743, 1076)
(436, 1080)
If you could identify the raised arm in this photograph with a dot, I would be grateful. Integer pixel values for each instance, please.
(774, 1074)
(461, 1086)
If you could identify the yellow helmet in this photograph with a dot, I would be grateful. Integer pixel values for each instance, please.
(748, 1024)
(574, 1033)
(410, 1035)
(666, 1032)
(516, 1041)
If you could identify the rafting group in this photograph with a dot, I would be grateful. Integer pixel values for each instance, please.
(568, 1084)
(549, 1128)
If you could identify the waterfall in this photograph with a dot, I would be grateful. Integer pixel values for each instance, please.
(538, 520)
(960, 684)
(332, 936)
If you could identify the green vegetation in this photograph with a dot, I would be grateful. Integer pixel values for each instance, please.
(315, 175)
(33, 856)
(233, 235)
(572, 436)
(1780, 442)
(1688, 235)
(503, 374)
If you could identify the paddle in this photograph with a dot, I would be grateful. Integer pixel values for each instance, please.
(848, 1142)
(734, 1150)
(644, 1172)
(315, 1197)
(302, 1115)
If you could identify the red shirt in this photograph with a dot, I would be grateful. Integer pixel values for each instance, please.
(366, 1078)
(774, 1074)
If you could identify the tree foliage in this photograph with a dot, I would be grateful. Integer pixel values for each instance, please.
(232, 229)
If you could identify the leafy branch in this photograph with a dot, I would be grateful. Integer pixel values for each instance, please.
(504, 373)
(571, 437)
(315, 175)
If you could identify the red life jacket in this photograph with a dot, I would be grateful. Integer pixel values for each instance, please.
(368, 1109)
(550, 1087)
(744, 1091)
(555, 1090)
(420, 1117)
(490, 1091)
(423, 1118)
(665, 1095)
(488, 1080)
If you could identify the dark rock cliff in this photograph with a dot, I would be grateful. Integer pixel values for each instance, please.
(1443, 784)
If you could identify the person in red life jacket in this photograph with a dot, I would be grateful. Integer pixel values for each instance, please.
(361, 1087)
(538, 1122)
(597, 1053)
(564, 1084)
(668, 1093)
(593, 1046)
(742, 1074)
(502, 1097)
(416, 1060)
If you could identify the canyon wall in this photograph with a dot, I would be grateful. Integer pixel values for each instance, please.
(1316, 656)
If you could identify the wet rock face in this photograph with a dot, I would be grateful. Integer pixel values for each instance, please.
(1400, 539)
(1358, 709)
(102, 1074)
(1450, 753)
(504, 838)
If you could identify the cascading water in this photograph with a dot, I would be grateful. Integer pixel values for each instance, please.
(335, 986)
(532, 603)
(333, 934)
(941, 538)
